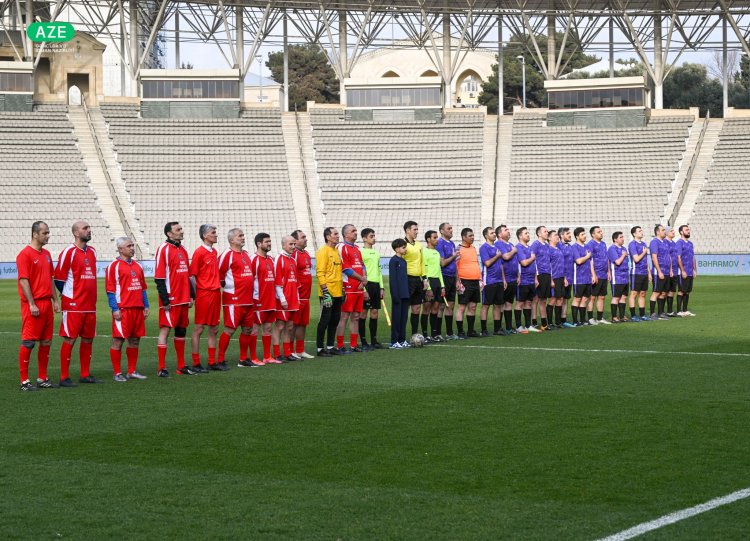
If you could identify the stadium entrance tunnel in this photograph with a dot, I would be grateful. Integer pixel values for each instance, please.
(78, 88)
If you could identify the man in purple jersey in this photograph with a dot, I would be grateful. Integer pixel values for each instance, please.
(601, 272)
(688, 270)
(639, 276)
(528, 283)
(543, 307)
(660, 267)
(674, 276)
(618, 271)
(448, 258)
(566, 247)
(583, 276)
(512, 278)
(494, 282)
(559, 282)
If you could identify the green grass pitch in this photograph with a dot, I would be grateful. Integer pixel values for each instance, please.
(561, 435)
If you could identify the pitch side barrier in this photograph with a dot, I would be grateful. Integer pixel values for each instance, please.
(708, 264)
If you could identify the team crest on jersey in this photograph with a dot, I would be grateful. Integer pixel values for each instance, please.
(49, 260)
(86, 261)
(179, 256)
(132, 273)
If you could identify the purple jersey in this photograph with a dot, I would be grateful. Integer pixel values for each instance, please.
(569, 264)
(660, 249)
(581, 273)
(446, 248)
(556, 262)
(528, 274)
(601, 262)
(673, 256)
(541, 250)
(686, 251)
(494, 273)
(619, 272)
(510, 267)
(636, 247)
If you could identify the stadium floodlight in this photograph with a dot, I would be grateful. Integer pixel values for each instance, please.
(522, 59)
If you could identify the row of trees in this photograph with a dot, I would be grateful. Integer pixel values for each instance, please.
(311, 78)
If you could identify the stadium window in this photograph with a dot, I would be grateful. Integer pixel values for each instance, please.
(429, 73)
(390, 74)
(147, 89)
(616, 100)
(607, 97)
(587, 98)
(595, 101)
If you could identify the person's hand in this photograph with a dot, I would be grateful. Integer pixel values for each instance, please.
(645, 250)
(284, 305)
(117, 314)
(594, 279)
(649, 278)
(684, 275)
(442, 292)
(661, 275)
(671, 273)
(167, 307)
(609, 275)
(430, 295)
(34, 309)
(367, 295)
(56, 306)
(361, 286)
(191, 303)
(536, 281)
(566, 282)
(327, 301)
(533, 257)
(505, 284)
(382, 293)
(146, 312)
(458, 256)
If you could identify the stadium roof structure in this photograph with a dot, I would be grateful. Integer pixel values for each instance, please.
(657, 31)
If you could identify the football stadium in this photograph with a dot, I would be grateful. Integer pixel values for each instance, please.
(403, 269)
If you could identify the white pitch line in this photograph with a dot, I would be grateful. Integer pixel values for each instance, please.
(591, 350)
(677, 516)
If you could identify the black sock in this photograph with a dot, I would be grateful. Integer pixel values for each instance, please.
(642, 312)
(414, 323)
(599, 315)
(470, 322)
(508, 319)
(498, 325)
(550, 310)
(449, 325)
(652, 306)
(460, 325)
(660, 305)
(423, 320)
(685, 299)
(373, 330)
(582, 314)
(632, 312)
(362, 334)
(533, 322)
(434, 324)
(574, 311)
(590, 313)
(517, 314)
(679, 303)
(483, 324)
(670, 303)
(527, 316)
(439, 325)
(622, 310)
(558, 315)
(614, 311)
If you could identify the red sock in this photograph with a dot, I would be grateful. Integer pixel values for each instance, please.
(276, 350)
(179, 347)
(196, 359)
(84, 354)
(253, 345)
(300, 346)
(43, 361)
(24, 354)
(353, 340)
(132, 354)
(161, 349)
(287, 349)
(244, 346)
(211, 355)
(224, 345)
(340, 341)
(115, 355)
(266, 346)
(65, 352)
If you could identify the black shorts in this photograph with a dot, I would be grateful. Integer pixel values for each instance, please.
(544, 289)
(374, 302)
(581, 291)
(525, 293)
(450, 288)
(558, 288)
(618, 290)
(436, 289)
(639, 282)
(509, 295)
(568, 291)
(686, 284)
(493, 294)
(660, 285)
(674, 282)
(599, 289)
(416, 290)
(471, 292)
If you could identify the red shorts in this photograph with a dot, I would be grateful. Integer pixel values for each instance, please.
(355, 301)
(132, 324)
(266, 316)
(75, 324)
(39, 327)
(285, 315)
(176, 316)
(238, 316)
(207, 307)
(301, 317)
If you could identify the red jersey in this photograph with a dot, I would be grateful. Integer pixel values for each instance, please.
(172, 267)
(205, 268)
(264, 287)
(286, 279)
(236, 271)
(127, 281)
(351, 258)
(77, 268)
(304, 273)
(37, 268)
